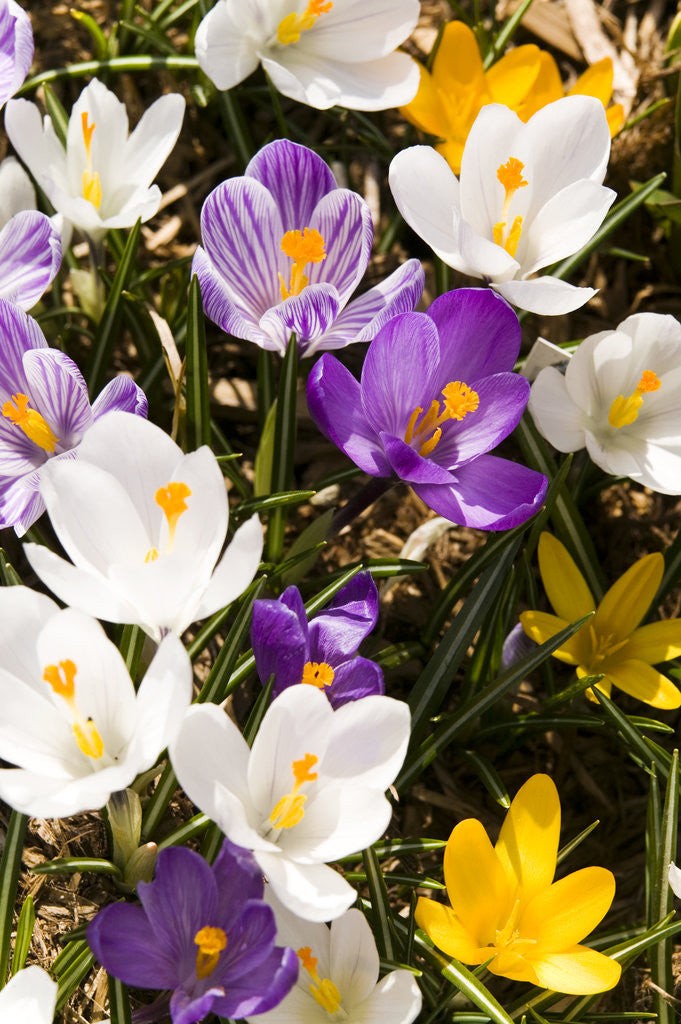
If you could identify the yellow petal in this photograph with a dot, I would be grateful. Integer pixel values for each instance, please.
(528, 842)
(457, 68)
(547, 88)
(656, 642)
(629, 598)
(425, 110)
(596, 81)
(510, 965)
(579, 971)
(512, 78)
(565, 587)
(645, 683)
(605, 686)
(452, 151)
(568, 911)
(540, 626)
(477, 885)
(442, 925)
(615, 116)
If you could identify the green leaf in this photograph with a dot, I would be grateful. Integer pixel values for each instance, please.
(71, 865)
(119, 1001)
(58, 116)
(284, 447)
(265, 505)
(635, 742)
(489, 777)
(258, 711)
(566, 850)
(9, 577)
(265, 454)
(10, 865)
(197, 420)
(130, 645)
(309, 540)
(660, 956)
(380, 905)
(218, 684)
(99, 40)
(70, 967)
(24, 933)
(196, 826)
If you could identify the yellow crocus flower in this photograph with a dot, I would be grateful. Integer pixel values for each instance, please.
(507, 909)
(613, 642)
(525, 79)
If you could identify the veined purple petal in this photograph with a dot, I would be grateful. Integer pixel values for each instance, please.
(18, 454)
(219, 305)
(408, 465)
(188, 1009)
(479, 334)
(262, 988)
(59, 393)
(296, 177)
(503, 398)
(18, 333)
(251, 940)
(16, 48)
(279, 644)
(338, 630)
(20, 501)
(306, 315)
(335, 404)
(238, 878)
(123, 394)
(343, 220)
(359, 677)
(123, 940)
(30, 256)
(292, 599)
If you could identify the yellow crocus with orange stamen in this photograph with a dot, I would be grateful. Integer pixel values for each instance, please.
(612, 643)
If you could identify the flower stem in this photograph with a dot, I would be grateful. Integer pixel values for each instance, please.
(367, 495)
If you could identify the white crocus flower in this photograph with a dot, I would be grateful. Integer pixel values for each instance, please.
(71, 719)
(619, 399)
(528, 196)
(29, 997)
(675, 879)
(144, 525)
(320, 52)
(310, 790)
(17, 194)
(102, 179)
(338, 977)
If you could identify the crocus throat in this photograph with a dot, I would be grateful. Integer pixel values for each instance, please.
(511, 177)
(172, 499)
(293, 24)
(290, 809)
(35, 426)
(61, 678)
(303, 247)
(317, 673)
(460, 400)
(507, 939)
(211, 942)
(92, 187)
(323, 990)
(624, 411)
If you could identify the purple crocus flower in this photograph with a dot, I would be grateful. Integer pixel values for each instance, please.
(322, 652)
(44, 412)
(203, 931)
(285, 248)
(30, 256)
(436, 396)
(16, 48)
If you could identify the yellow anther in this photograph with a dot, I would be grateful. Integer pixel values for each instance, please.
(317, 673)
(151, 555)
(290, 809)
(624, 411)
(89, 739)
(62, 679)
(92, 187)
(303, 247)
(511, 177)
(211, 942)
(428, 446)
(460, 399)
(293, 24)
(322, 990)
(172, 499)
(411, 426)
(35, 426)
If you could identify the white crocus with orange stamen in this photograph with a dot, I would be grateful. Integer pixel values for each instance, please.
(103, 178)
(310, 790)
(71, 719)
(528, 195)
(144, 525)
(619, 399)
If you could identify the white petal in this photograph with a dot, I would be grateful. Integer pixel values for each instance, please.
(38, 147)
(235, 570)
(313, 891)
(556, 416)
(78, 587)
(564, 224)
(225, 43)
(30, 997)
(368, 741)
(23, 613)
(546, 295)
(162, 700)
(426, 191)
(354, 958)
(16, 191)
(491, 141)
(395, 1000)
(357, 31)
(675, 879)
(152, 141)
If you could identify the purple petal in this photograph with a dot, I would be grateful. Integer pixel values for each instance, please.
(307, 315)
(398, 372)
(20, 501)
(408, 465)
(219, 305)
(334, 401)
(354, 679)
(16, 48)
(23, 44)
(517, 646)
(489, 494)
(343, 220)
(337, 632)
(123, 394)
(262, 988)
(292, 599)
(296, 177)
(18, 333)
(124, 942)
(30, 256)
(188, 1009)
(59, 393)
(479, 334)
(279, 644)
(238, 879)
(503, 398)
(251, 940)
(18, 454)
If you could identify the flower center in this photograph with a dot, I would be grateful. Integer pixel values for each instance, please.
(92, 187)
(603, 645)
(35, 426)
(290, 809)
(460, 399)
(507, 938)
(172, 499)
(303, 247)
(624, 411)
(317, 673)
(61, 678)
(323, 990)
(293, 24)
(510, 175)
(211, 942)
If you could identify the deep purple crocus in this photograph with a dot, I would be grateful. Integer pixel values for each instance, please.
(284, 249)
(30, 256)
(203, 932)
(44, 412)
(16, 48)
(322, 652)
(436, 396)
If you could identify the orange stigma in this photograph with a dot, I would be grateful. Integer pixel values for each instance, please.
(511, 177)
(35, 426)
(290, 809)
(92, 187)
(62, 680)
(303, 247)
(317, 673)
(172, 499)
(460, 400)
(323, 990)
(624, 411)
(211, 942)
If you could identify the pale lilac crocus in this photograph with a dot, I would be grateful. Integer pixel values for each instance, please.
(45, 412)
(323, 652)
(436, 396)
(16, 48)
(283, 250)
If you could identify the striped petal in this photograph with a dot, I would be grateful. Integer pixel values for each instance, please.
(296, 177)
(59, 393)
(344, 221)
(30, 256)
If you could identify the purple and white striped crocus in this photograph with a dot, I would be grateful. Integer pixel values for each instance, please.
(322, 652)
(202, 931)
(283, 250)
(436, 396)
(16, 48)
(44, 412)
(30, 257)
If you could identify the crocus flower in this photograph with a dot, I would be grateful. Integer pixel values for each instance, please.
(323, 652)
(45, 413)
(203, 931)
(338, 977)
(454, 362)
(453, 93)
(102, 179)
(675, 879)
(320, 52)
(612, 642)
(16, 48)
(144, 524)
(529, 195)
(310, 789)
(285, 248)
(619, 399)
(506, 910)
(30, 256)
(71, 719)
(30, 997)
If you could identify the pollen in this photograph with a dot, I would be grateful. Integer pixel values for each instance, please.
(211, 942)
(290, 809)
(35, 426)
(291, 27)
(510, 176)
(624, 410)
(460, 399)
(62, 680)
(322, 990)
(426, 430)
(319, 674)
